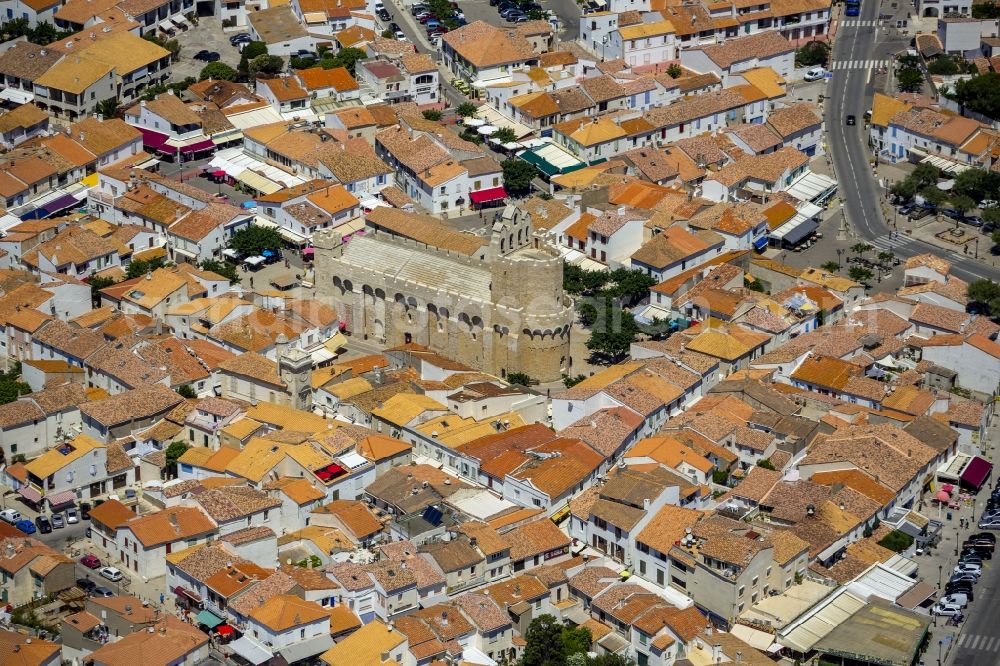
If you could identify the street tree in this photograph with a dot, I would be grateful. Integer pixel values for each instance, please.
(861, 249)
(504, 135)
(346, 58)
(265, 64)
(962, 203)
(986, 294)
(218, 71)
(859, 274)
(886, 258)
(932, 196)
(543, 643)
(517, 176)
(812, 54)
(909, 79)
(925, 174)
(466, 109)
(107, 108)
(253, 240)
(830, 266)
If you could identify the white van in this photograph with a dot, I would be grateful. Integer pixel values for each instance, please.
(815, 74)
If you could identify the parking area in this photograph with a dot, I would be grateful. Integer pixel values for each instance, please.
(208, 35)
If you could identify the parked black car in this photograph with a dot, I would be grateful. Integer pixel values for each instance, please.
(43, 524)
(86, 584)
(85, 510)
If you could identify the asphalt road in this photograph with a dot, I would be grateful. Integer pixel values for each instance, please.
(979, 642)
(849, 92)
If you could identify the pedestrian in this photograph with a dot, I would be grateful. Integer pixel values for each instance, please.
(251, 282)
(161, 598)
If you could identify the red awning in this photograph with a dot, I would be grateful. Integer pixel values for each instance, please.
(485, 196)
(30, 494)
(976, 472)
(61, 498)
(224, 630)
(183, 592)
(198, 147)
(219, 173)
(152, 139)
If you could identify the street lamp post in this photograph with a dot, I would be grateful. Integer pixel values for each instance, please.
(840, 251)
(940, 650)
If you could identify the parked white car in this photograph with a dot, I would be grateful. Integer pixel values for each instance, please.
(948, 610)
(968, 568)
(956, 599)
(815, 74)
(10, 516)
(111, 573)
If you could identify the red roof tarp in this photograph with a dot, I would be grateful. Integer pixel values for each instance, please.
(485, 196)
(976, 472)
(152, 139)
(207, 144)
(224, 630)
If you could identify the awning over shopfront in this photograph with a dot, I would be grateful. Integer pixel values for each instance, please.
(61, 498)
(976, 472)
(307, 648)
(209, 619)
(30, 494)
(166, 26)
(16, 96)
(292, 237)
(62, 203)
(257, 182)
(198, 147)
(188, 594)
(488, 195)
(760, 243)
(251, 650)
(551, 161)
(154, 140)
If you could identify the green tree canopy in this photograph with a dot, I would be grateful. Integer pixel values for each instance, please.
(812, 54)
(432, 114)
(219, 71)
(346, 58)
(905, 189)
(517, 176)
(674, 71)
(985, 293)
(140, 267)
(185, 391)
(175, 450)
(909, 79)
(977, 184)
(933, 196)
(859, 274)
(223, 268)
(943, 66)
(630, 285)
(925, 174)
(466, 109)
(544, 646)
(11, 386)
(504, 135)
(265, 64)
(980, 94)
(962, 203)
(830, 266)
(108, 107)
(612, 331)
(253, 240)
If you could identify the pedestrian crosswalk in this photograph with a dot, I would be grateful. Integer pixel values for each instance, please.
(858, 64)
(859, 23)
(889, 242)
(979, 642)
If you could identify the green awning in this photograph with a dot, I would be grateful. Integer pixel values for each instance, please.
(540, 163)
(209, 619)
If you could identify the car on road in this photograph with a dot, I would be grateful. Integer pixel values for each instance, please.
(72, 516)
(947, 610)
(905, 210)
(241, 38)
(851, 120)
(957, 599)
(383, 14)
(966, 577)
(950, 212)
(394, 27)
(43, 524)
(399, 35)
(974, 569)
(58, 521)
(972, 220)
(25, 526)
(207, 56)
(85, 510)
(815, 74)
(101, 591)
(86, 584)
(985, 536)
(91, 561)
(10, 516)
(919, 212)
(417, 8)
(111, 573)
(430, 24)
(960, 587)
(989, 524)
(976, 551)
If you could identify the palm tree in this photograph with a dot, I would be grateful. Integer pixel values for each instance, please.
(886, 258)
(830, 266)
(861, 248)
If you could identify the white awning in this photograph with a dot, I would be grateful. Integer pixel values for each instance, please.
(292, 237)
(254, 261)
(307, 648)
(813, 187)
(493, 117)
(322, 355)
(753, 637)
(166, 26)
(16, 96)
(251, 650)
(179, 20)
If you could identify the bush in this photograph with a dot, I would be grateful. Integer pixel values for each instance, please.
(432, 114)
(519, 378)
(720, 477)
(943, 66)
(812, 54)
(896, 541)
(219, 71)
